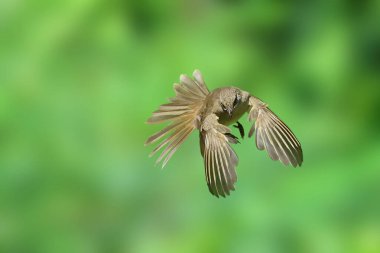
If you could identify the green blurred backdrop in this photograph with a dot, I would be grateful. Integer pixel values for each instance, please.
(78, 79)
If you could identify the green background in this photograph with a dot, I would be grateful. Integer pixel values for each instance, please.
(78, 79)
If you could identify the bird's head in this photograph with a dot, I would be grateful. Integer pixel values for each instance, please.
(229, 99)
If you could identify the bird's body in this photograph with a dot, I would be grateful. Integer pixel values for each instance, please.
(212, 105)
(195, 107)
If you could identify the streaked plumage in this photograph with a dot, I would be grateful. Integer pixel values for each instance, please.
(195, 107)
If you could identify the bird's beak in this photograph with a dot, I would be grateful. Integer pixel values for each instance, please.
(229, 111)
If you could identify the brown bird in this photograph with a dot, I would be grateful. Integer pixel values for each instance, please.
(195, 107)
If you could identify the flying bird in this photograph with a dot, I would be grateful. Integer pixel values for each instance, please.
(211, 112)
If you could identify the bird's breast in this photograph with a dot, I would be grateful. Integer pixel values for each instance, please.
(226, 119)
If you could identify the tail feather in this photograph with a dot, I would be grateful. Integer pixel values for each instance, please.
(162, 133)
(182, 111)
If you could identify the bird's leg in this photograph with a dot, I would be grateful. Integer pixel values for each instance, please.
(241, 129)
(232, 138)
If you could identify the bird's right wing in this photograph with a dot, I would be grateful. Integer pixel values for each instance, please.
(183, 111)
(219, 158)
(272, 134)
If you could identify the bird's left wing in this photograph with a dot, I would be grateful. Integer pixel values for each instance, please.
(272, 134)
(183, 111)
(219, 158)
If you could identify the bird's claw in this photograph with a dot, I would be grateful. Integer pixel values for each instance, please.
(241, 129)
(232, 138)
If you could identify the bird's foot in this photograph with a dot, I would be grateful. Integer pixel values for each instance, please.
(232, 138)
(241, 129)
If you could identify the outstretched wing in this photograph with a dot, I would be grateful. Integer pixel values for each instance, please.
(182, 111)
(273, 134)
(219, 158)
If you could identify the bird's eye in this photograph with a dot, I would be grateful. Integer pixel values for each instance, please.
(223, 107)
(236, 101)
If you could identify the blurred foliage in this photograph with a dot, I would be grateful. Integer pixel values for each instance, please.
(78, 79)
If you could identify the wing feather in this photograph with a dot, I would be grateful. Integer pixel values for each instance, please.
(282, 156)
(259, 140)
(290, 153)
(219, 159)
(269, 145)
(226, 173)
(273, 135)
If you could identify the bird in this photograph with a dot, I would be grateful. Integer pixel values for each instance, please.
(195, 107)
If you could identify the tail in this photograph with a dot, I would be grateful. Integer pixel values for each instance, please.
(182, 111)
